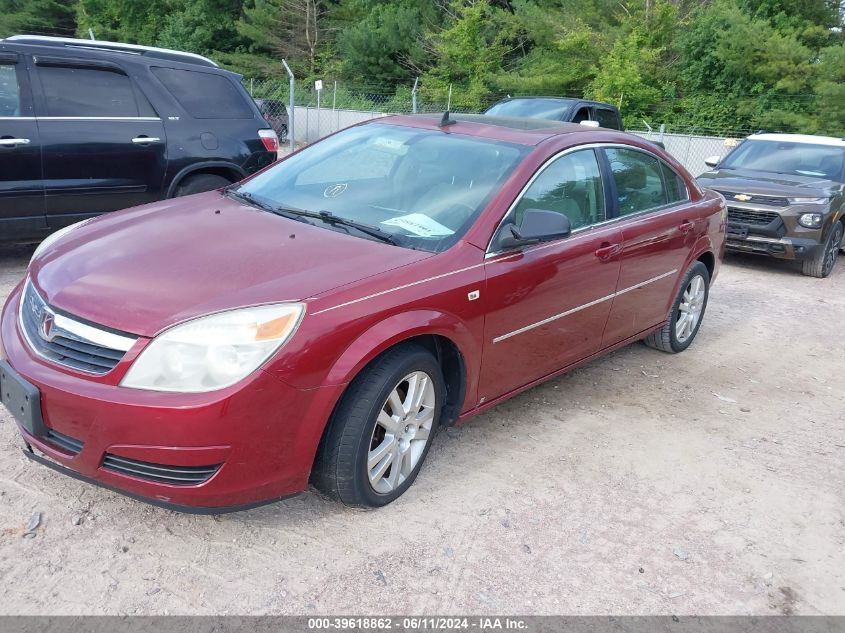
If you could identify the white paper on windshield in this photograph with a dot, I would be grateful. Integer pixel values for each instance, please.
(420, 224)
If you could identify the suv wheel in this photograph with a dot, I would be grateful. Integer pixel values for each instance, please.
(682, 324)
(381, 431)
(199, 183)
(822, 264)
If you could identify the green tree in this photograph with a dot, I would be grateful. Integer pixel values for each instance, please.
(46, 17)
(382, 43)
(467, 53)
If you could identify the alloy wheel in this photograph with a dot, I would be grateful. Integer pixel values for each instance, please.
(690, 308)
(402, 430)
(832, 251)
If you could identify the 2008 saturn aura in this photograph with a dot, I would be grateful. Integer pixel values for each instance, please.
(320, 320)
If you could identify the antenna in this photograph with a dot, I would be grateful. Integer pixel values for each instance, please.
(446, 121)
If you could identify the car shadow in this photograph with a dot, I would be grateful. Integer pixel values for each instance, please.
(762, 263)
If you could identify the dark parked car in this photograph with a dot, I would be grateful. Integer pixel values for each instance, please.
(88, 127)
(559, 109)
(324, 318)
(275, 112)
(785, 196)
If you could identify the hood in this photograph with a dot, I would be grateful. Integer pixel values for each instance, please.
(144, 269)
(765, 183)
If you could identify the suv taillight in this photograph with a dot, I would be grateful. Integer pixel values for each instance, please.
(270, 140)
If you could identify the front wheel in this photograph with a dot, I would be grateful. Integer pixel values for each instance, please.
(822, 264)
(684, 320)
(382, 429)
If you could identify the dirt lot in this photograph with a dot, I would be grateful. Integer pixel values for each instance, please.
(710, 482)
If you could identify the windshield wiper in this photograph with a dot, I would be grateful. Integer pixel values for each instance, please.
(330, 218)
(245, 196)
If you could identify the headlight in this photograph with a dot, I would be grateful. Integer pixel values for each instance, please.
(810, 220)
(808, 200)
(215, 351)
(55, 237)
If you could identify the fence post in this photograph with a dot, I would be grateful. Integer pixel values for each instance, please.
(291, 115)
(334, 103)
(414, 96)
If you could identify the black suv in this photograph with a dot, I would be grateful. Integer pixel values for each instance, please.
(559, 109)
(88, 127)
(786, 197)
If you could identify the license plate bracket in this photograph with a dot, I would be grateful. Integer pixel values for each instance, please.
(22, 399)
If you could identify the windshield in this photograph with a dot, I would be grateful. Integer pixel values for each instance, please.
(422, 187)
(785, 157)
(553, 109)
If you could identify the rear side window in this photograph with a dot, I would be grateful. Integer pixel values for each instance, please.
(204, 95)
(676, 188)
(639, 184)
(607, 118)
(87, 92)
(10, 95)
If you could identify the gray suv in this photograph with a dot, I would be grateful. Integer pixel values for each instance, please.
(785, 195)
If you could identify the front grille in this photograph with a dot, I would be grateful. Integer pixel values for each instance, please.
(769, 201)
(69, 342)
(746, 216)
(63, 441)
(159, 473)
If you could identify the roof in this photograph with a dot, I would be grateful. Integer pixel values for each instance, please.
(800, 138)
(116, 47)
(521, 130)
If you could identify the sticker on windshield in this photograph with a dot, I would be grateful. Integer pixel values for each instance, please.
(420, 225)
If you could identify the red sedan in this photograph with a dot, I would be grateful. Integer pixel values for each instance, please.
(321, 320)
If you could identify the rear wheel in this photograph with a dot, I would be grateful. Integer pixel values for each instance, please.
(683, 321)
(822, 264)
(198, 183)
(380, 433)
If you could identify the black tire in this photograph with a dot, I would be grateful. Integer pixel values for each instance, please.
(822, 264)
(666, 338)
(340, 468)
(199, 183)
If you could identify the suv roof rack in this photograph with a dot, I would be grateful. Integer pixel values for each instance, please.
(132, 49)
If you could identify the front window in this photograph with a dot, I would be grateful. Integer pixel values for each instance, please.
(787, 157)
(425, 188)
(553, 109)
(572, 186)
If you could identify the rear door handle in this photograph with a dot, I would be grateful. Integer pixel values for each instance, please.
(144, 140)
(11, 142)
(606, 251)
(686, 226)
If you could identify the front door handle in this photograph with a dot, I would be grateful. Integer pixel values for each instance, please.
(12, 142)
(145, 140)
(686, 226)
(607, 251)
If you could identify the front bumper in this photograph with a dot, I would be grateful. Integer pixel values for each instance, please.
(779, 247)
(259, 435)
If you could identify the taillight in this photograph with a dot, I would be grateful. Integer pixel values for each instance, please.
(270, 140)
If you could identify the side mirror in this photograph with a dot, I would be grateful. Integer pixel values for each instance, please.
(712, 161)
(589, 123)
(538, 225)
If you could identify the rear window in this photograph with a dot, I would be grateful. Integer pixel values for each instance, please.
(204, 95)
(552, 109)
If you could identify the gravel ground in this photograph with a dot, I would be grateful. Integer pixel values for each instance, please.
(709, 482)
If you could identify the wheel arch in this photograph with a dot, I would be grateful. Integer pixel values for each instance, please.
(223, 168)
(445, 336)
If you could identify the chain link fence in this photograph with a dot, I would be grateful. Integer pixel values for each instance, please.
(319, 113)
